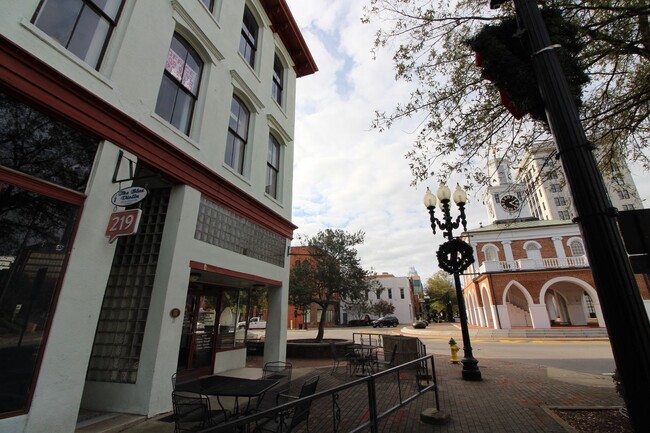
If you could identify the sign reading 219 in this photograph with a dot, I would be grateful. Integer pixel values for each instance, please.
(126, 222)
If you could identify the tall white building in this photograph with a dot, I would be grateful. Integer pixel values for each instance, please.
(548, 194)
(146, 153)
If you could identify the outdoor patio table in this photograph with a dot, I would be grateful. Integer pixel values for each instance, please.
(228, 386)
(366, 356)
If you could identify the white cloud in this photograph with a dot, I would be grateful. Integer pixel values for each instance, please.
(347, 175)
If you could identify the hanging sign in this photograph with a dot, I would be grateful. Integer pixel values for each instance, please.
(129, 196)
(123, 223)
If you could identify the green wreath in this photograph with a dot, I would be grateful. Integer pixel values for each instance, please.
(506, 61)
(461, 250)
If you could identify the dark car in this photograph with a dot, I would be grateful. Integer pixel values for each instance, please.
(385, 321)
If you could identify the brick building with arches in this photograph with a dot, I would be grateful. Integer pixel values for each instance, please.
(531, 273)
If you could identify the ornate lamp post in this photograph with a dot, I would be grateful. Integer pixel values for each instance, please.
(454, 256)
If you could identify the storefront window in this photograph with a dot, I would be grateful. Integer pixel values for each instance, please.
(234, 308)
(34, 238)
(37, 145)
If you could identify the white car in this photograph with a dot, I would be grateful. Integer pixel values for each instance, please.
(255, 323)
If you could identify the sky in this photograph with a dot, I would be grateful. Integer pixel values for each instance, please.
(346, 174)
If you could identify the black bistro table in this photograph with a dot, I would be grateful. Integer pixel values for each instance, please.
(230, 386)
(366, 357)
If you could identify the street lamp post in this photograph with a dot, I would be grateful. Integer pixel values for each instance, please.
(454, 256)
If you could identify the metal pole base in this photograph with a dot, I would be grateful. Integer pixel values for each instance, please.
(470, 369)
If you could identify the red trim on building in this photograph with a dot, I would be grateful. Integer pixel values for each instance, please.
(283, 23)
(42, 187)
(24, 75)
(234, 274)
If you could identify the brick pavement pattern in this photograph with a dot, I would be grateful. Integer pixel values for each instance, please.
(511, 398)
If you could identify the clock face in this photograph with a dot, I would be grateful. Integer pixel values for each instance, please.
(510, 203)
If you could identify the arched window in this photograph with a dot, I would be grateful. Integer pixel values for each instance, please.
(577, 248)
(237, 135)
(248, 39)
(180, 84)
(273, 167)
(278, 80)
(533, 250)
(491, 253)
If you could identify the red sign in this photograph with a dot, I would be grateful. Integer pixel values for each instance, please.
(123, 223)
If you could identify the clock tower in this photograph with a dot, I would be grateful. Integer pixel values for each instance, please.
(504, 199)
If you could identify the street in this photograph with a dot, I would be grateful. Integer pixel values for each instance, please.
(586, 356)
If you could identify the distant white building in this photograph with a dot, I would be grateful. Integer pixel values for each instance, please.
(399, 292)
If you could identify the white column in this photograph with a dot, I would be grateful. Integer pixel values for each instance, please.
(539, 316)
(559, 248)
(504, 317)
(507, 250)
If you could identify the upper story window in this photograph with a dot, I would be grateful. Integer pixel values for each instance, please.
(628, 207)
(82, 26)
(390, 293)
(401, 293)
(248, 40)
(278, 80)
(623, 194)
(209, 4)
(273, 167)
(533, 250)
(555, 187)
(564, 215)
(577, 248)
(560, 201)
(180, 85)
(237, 135)
(491, 253)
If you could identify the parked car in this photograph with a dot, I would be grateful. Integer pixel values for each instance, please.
(255, 323)
(388, 320)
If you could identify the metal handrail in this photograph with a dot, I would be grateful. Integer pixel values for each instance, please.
(421, 365)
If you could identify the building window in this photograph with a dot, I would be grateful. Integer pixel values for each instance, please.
(560, 201)
(555, 187)
(81, 26)
(180, 85)
(577, 248)
(272, 167)
(623, 194)
(209, 4)
(237, 135)
(390, 293)
(533, 250)
(590, 306)
(628, 207)
(401, 293)
(491, 253)
(564, 215)
(278, 80)
(248, 40)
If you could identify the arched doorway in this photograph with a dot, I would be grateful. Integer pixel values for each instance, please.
(518, 307)
(570, 301)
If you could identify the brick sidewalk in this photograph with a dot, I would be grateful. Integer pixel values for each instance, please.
(511, 398)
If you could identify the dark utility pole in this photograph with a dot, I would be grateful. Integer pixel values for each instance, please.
(622, 306)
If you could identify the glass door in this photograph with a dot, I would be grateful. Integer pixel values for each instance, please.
(197, 338)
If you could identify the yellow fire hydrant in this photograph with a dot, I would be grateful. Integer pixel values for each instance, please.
(454, 351)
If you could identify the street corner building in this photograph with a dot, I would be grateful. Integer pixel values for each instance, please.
(531, 268)
(145, 197)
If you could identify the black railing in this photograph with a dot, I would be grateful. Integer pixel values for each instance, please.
(412, 380)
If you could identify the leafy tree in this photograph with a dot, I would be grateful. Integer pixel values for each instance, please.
(331, 272)
(382, 307)
(442, 294)
(462, 116)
